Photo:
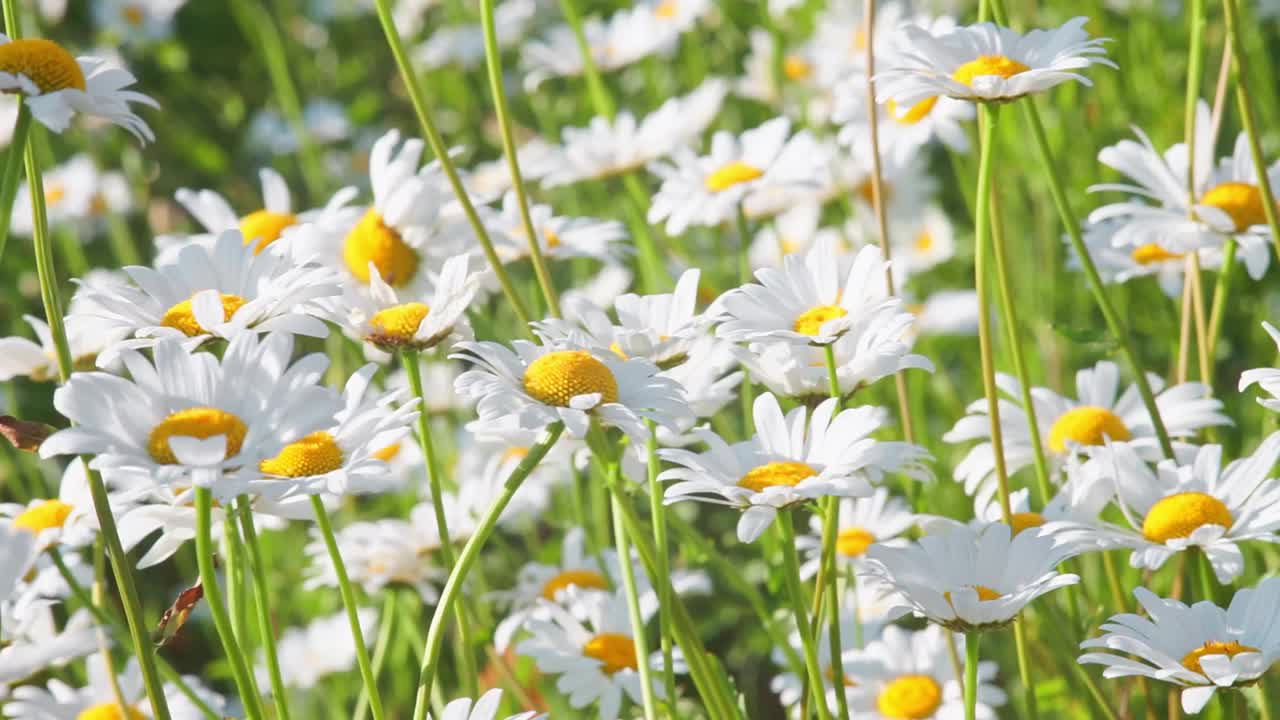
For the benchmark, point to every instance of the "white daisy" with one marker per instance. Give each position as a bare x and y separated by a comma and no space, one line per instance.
1266,378
1069,426
487,459
67,520
57,86
1195,503
559,236
486,708
19,551
77,195
225,291
188,418
863,522
325,121
987,63
324,647
629,35
463,45
900,130
594,657
605,148
791,688
382,319
33,641
59,701
791,232
967,579
1120,264
909,674
86,338
947,312
707,190
710,376
790,460
171,512
137,20
542,384
1201,648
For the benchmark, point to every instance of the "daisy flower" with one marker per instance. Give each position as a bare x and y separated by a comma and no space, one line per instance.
76,194
707,190
1201,648
988,63
137,20
909,674
1197,503
605,148
791,687
947,312
658,327
628,36
489,458
348,457
325,120
1228,201
59,701
32,640
543,384
790,460
791,232
805,302
1120,264
57,86
972,579
223,291
798,94
1071,426
863,522
591,650
463,45
486,708
189,418
86,338
559,236
901,130
324,647
67,520
19,551
380,318
171,512
710,375
1266,378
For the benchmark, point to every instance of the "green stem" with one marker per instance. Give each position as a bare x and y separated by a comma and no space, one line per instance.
1208,584
233,572
262,607
213,597
1221,291
662,582
418,96
827,570
106,619
1114,324
971,672
493,60
1195,69
123,248
795,592
12,171
744,246
351,606
633,601
981,215
1024,667
600,97
386,630
410,359
470,552
1248,117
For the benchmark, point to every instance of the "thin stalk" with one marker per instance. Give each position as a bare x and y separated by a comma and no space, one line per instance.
233,571
1249,119
106,619
830,533
386,630
1115,325
1184,326
1024,667
663,580
1197,311
980,233
1195,69
418,96
493,61
12,170
633,603
97,593
462,651
213,598
262,607
1009,310
351,606
744,245
596,90
470,552
795,592
971,673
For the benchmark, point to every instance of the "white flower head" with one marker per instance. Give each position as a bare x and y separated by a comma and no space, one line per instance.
862,522
558,236
1266,378
486,708
324,647
389,321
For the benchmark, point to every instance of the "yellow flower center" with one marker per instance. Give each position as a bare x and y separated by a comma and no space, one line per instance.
667,9
1025,520
54,192
1153,253
265,227
924,241
553,240
910,697
987,65
853,542
388,453
399,323
984,594
133,15
732,174
182,317
866,191
558,377
1086,425
914,114
43,62
197,422
616,651
796,67
372,241
586,579
811,321
1242,201
111,711
315,454
1191,660
1177,516
46,515
776,474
